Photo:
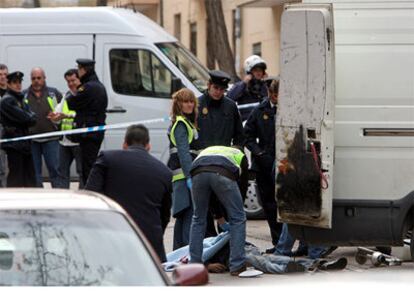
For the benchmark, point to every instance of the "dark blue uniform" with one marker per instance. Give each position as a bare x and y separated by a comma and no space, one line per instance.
90,104
260,140
16,119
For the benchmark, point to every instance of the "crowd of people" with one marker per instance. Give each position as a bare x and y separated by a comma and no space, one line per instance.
205,181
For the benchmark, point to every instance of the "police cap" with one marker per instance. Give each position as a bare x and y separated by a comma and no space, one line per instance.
85,62
17,75
219,78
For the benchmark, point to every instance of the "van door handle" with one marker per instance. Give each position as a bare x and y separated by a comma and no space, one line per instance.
116,110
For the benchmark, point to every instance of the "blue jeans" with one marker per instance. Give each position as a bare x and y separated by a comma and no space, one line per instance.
228,192
66,156
50,152
286,242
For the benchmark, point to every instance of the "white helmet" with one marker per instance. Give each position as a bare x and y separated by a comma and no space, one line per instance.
253,62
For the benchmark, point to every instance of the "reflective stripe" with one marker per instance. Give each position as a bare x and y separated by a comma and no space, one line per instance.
175,150
178,174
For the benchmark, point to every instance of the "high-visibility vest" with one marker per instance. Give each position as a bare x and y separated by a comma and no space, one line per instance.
174,162
67,123
235,156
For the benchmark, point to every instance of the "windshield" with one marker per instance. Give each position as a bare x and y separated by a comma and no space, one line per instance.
187,63
67,248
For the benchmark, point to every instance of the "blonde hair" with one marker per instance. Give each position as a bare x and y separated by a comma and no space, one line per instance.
178,98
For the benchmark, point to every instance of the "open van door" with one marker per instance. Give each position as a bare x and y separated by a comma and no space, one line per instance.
305,116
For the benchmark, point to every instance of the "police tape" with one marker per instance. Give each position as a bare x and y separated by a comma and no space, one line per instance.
100,128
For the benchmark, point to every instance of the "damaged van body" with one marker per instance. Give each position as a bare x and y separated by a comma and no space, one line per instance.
345,125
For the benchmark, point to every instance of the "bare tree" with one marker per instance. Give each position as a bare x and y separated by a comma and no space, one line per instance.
101,2
218,45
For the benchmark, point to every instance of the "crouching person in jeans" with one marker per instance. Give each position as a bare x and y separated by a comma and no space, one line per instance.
218,169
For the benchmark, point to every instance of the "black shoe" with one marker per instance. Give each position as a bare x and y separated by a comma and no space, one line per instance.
328,251
270,250
385,250
300,252
337,264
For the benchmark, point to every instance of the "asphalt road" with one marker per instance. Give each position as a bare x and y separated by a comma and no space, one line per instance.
258,234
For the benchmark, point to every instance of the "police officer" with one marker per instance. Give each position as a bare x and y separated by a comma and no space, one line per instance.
90,103
16,118
219,169
219,124
260,140
252,88
219,119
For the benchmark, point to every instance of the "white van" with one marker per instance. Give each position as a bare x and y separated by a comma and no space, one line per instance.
135,59
347,93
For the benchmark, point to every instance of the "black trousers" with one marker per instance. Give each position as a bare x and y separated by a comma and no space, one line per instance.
21,169
89,152
267,195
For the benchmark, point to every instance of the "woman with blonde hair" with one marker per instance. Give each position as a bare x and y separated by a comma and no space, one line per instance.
183,138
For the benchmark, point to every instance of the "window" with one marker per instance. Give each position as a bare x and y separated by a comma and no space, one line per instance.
139,73
257,49
177,26
193,38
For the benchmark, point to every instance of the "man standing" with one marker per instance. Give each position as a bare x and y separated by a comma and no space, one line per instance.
260,140
140,183
42,101
252,88
217,170
90,103
3,160
68,150
16,118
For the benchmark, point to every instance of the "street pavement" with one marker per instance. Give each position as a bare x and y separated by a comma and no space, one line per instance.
258,234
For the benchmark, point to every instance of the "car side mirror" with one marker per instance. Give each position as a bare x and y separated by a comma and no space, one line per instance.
176,84
190,275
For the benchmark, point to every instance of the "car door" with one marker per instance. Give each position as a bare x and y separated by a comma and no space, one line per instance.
305,116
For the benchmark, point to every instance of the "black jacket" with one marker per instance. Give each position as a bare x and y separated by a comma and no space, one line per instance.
90,102
16,118
219,122
260,135
141,184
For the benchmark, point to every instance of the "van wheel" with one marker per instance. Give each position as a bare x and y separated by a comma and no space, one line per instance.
252,204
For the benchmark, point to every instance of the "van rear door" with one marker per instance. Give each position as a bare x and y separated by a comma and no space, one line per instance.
305,116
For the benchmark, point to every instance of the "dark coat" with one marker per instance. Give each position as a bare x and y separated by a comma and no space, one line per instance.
219,122
16,118
260,135
243,93
141,184
90,102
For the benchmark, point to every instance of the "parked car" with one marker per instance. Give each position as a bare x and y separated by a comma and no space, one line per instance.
68,238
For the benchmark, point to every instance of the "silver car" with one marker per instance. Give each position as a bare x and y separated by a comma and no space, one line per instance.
67,238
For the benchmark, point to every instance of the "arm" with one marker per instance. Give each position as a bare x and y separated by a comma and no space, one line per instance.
82,98
238,136
250,131
244,177
166,207
236,90
96,179
22,116
183,147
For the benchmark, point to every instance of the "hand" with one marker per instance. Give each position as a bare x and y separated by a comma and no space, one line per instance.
247,78
53,116
189,183
225,226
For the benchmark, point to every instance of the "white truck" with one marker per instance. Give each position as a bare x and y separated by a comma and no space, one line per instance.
345,124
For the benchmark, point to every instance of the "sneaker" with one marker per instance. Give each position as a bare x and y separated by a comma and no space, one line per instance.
216,268
337,264
270,250
238,271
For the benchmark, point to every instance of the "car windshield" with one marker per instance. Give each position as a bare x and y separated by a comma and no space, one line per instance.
72,248
187,63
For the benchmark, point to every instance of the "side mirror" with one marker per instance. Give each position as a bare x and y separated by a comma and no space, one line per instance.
190,275
176,84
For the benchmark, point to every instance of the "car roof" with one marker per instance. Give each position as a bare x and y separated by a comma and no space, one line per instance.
80,20
33,199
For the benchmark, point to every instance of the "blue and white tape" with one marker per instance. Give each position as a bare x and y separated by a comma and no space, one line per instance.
101,128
